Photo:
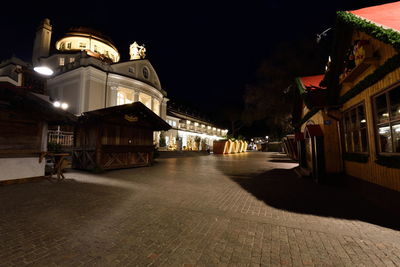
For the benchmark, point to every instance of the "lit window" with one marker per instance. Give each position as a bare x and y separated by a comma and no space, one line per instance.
62,61
82,45
174,123
71,59
355,130
387,114
120,98
69,45
156,106
196,124
95,49
145,99
62,46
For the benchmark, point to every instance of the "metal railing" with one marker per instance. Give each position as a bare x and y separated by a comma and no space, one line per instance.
60,137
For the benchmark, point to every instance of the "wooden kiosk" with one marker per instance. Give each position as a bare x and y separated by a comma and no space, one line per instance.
116,137
24,120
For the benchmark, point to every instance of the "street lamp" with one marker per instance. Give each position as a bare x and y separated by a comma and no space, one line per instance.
44,70
62,105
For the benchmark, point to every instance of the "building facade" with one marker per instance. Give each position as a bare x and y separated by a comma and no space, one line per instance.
190,132
88,74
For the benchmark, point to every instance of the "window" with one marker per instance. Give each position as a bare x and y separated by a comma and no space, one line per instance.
120,98
156,106
355,130
62,46
69,45
82,45
123,99
96,49
387,119
71,59
61,61
131,69
145,99
146,72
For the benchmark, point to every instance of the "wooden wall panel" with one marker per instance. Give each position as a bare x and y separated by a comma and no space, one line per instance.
370,171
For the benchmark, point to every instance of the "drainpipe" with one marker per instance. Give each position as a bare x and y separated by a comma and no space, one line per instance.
105,91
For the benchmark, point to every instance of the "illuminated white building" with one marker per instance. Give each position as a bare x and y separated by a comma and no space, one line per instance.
190,132
88,74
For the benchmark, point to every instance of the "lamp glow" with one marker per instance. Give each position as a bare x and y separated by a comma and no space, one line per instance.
64,106
57,104
43,70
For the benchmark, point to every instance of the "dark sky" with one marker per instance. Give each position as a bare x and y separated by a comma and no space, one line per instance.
204,51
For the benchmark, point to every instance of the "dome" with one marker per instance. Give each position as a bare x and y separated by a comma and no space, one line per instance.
87,39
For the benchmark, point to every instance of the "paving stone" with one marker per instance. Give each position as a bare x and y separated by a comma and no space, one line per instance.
217,210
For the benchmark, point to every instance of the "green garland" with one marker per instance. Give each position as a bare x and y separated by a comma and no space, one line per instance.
299,85
387,36
303,93
306,96
390,65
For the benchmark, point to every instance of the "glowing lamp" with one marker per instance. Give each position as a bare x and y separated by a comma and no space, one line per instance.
57,104
64,106
43,70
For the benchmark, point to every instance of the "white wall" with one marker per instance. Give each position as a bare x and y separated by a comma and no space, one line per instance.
17,168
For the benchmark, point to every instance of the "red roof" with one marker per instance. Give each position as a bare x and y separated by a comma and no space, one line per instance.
312,81
387,15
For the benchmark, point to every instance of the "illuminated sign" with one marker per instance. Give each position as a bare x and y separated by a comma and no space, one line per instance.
131,118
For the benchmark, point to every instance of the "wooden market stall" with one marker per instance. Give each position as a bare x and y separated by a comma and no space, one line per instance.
219,146
116,137
229,147
24,120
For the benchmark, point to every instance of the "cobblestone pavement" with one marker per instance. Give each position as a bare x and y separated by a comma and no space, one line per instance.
235,210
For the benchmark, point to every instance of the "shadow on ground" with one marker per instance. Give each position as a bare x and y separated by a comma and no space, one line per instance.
59,204
283,189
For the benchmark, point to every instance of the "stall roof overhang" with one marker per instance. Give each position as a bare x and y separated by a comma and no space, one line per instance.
386,15
313,95
19,99
135,114
310,83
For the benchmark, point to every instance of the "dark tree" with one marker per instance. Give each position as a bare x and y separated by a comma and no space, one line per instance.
269,98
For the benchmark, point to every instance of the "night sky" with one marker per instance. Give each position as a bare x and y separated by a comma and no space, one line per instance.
204,51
